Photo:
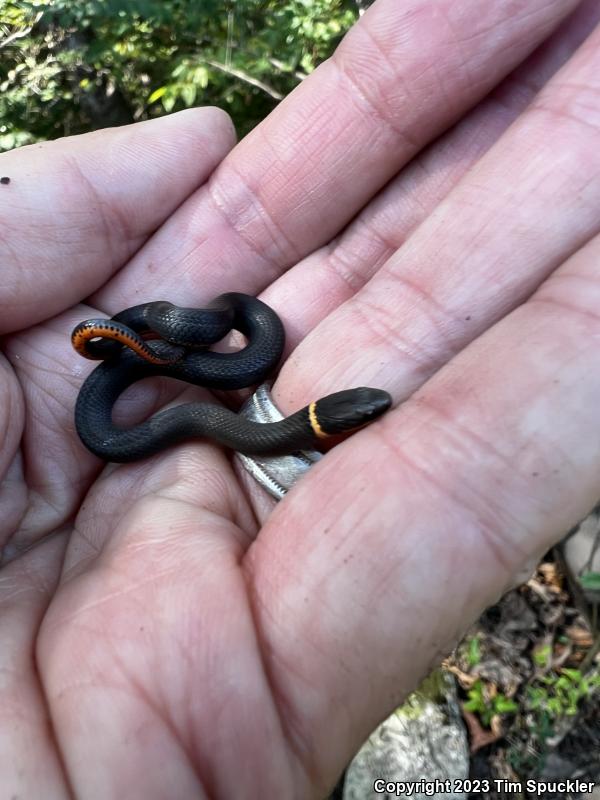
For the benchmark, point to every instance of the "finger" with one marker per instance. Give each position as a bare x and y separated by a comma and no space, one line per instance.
29,763
403,74
76,209
529,203
398,539
149,613
322,281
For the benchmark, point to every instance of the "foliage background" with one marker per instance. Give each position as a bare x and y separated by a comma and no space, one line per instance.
69,66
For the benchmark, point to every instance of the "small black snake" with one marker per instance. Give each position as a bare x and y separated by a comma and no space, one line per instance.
179,350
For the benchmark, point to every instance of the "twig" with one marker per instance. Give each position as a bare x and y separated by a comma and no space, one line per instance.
15,35
243,76
20,34
282,68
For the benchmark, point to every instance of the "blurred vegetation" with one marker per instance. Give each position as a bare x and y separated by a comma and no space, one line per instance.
70,66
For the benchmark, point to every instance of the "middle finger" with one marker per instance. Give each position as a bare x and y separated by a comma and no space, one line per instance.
528,204
327,277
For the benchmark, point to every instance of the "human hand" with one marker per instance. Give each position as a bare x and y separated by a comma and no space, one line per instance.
165,633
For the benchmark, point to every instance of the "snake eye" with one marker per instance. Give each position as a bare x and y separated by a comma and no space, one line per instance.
350,409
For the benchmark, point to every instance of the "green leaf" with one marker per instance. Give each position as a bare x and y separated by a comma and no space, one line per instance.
554,705
505,704
157,94
541,656
188,94
474,704
590,581
169,101
180,70
200,77
574,674
474,655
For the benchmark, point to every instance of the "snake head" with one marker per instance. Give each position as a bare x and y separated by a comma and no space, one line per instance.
350,409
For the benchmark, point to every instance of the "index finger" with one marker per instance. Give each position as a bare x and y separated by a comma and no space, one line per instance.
76,209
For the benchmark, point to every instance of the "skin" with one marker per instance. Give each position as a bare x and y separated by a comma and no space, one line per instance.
165,631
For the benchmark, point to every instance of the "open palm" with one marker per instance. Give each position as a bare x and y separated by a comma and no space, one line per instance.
167,633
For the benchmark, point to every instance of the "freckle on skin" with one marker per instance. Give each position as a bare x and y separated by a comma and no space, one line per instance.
5,180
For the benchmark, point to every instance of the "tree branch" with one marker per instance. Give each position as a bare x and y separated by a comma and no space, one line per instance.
20,34
282,68
243,76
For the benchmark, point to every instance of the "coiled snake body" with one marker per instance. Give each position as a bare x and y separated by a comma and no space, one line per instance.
159,338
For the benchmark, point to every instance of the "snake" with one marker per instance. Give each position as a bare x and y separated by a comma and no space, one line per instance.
159,338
